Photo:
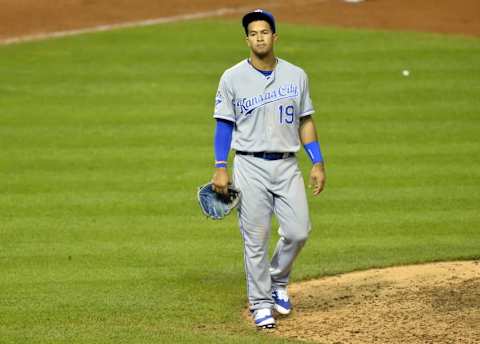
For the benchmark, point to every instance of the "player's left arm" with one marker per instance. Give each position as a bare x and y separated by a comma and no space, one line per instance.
309,139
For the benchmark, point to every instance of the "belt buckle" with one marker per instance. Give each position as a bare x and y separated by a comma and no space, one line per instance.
285,155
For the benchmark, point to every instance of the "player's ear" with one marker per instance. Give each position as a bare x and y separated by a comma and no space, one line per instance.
275,37
247,41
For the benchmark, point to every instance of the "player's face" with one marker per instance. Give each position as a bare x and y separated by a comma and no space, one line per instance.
260,38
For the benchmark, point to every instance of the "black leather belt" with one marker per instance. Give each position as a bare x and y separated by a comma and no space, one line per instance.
268,155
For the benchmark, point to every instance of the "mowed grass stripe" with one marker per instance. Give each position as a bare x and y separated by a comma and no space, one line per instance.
105,137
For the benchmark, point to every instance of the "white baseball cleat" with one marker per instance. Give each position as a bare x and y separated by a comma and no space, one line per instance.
263,318
282,303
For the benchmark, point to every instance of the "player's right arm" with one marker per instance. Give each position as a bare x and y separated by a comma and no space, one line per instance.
225,120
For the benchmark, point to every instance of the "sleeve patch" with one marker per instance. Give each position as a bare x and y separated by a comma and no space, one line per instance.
218,99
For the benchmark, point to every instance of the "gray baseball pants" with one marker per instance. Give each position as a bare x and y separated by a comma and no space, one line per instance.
270,187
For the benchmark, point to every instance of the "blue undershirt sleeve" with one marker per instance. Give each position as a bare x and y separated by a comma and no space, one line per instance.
222,141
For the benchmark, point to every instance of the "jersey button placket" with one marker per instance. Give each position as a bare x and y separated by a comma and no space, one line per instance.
267,109
271,109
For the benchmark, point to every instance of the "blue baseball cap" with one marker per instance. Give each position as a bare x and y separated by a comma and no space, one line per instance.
258,14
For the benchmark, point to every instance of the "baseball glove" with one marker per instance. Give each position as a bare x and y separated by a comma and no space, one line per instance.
215,205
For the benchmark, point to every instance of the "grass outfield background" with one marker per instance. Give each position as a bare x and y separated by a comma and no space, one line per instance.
105,137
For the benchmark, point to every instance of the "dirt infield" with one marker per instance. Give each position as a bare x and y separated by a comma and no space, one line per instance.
432,303
28,17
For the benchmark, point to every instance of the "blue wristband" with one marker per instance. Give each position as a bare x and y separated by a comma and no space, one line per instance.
314,152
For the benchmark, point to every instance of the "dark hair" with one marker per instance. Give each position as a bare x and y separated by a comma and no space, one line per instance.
258,15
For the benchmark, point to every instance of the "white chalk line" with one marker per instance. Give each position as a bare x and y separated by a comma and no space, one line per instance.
148,22
108,27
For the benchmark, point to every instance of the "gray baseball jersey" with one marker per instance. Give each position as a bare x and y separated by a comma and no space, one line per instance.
266,111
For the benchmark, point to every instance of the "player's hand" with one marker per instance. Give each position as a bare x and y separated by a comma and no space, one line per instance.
220,180
317,178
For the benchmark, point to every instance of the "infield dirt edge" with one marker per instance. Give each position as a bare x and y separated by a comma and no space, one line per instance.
424,303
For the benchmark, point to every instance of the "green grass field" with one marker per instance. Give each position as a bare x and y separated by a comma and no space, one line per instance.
105,137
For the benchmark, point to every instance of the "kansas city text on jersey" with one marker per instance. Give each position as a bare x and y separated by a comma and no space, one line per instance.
247,105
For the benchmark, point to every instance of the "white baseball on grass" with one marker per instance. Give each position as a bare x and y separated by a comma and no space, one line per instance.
405,72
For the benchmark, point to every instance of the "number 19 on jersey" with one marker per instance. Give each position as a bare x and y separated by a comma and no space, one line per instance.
287,114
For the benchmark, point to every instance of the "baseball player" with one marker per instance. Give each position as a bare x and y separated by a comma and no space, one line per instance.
263,111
